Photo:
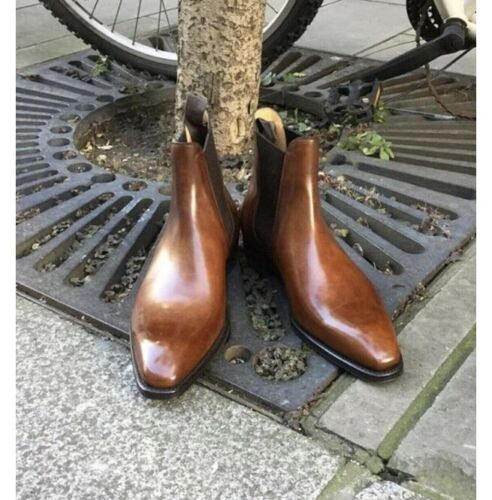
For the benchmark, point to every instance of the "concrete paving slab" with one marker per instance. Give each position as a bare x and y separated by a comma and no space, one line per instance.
387,490
83,431
442,447
349,26
396,2
36,25
21,4
48,50
365,413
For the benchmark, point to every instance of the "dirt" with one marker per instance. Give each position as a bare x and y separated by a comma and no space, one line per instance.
78,239
136,143
433,223
118,291
102,253
260,301
280,363
64,224
56,200
44,185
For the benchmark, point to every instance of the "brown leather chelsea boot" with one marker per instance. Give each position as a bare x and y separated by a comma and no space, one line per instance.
334,307
179,318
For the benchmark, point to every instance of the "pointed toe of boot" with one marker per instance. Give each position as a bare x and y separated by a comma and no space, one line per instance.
156,366
370,352
374,354
163,370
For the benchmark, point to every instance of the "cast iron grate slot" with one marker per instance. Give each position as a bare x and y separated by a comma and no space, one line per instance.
40,102
121,283
31,168
24,144
379,259
36,188
64,86
260,301
70,245
41,238
98,257
435,185
25,137
27,130
34,117
410,201
36,109
428,198
35,177
28,123
27,151
83,76
45,95
369,220
51,202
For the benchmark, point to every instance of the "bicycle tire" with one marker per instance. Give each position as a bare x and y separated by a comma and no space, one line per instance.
295,23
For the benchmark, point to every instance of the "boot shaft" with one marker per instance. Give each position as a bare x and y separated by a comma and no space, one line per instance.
284,183
197,176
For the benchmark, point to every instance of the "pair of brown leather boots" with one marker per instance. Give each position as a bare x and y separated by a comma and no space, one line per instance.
180,319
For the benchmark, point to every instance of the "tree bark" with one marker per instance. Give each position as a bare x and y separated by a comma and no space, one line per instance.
219,56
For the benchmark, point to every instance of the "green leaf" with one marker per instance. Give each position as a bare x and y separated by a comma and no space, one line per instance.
267,80
293,77
102,66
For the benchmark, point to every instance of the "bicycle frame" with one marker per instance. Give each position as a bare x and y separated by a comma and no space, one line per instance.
464,10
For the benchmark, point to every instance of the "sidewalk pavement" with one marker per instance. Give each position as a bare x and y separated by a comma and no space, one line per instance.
377,29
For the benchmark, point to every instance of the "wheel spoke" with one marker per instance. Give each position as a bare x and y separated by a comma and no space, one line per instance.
165,13
271,7
117,14
93,9
136,22
158,27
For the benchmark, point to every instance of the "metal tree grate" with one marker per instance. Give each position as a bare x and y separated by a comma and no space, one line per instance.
83,234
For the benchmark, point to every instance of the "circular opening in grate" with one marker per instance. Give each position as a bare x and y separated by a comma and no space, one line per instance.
64,129
78,168
154,85
65,155
59,141
105,98
101,178
134,185
85,107
280,363
237,355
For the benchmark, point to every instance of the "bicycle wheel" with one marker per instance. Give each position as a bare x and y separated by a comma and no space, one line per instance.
142,33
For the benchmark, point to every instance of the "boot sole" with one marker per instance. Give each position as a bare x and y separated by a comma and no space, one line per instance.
356,369
169,393
360,371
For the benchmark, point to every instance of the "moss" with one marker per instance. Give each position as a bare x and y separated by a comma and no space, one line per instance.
427,396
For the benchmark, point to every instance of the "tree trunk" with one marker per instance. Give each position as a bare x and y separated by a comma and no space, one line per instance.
219,56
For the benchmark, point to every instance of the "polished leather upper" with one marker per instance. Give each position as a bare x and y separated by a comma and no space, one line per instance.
180,308
329,296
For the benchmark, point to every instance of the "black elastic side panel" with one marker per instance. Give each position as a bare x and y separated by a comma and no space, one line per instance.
291,135
269,173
